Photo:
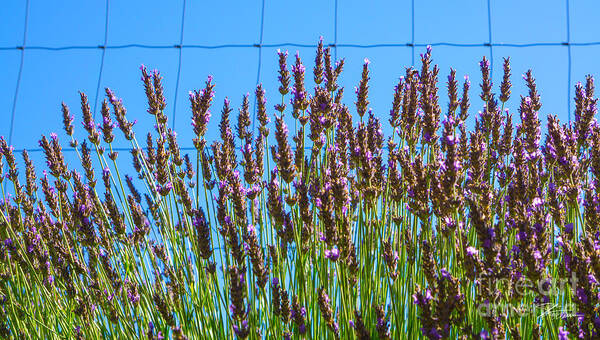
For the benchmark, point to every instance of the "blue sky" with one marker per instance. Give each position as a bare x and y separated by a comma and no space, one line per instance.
51,76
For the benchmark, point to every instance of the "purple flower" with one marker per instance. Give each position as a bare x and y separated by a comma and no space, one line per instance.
537,202
336,327
569,228
134,297
581,295
427,137
485,63
471,251
420,300
159,336
332,254
563,334
568,262
321,236
241,330
318,203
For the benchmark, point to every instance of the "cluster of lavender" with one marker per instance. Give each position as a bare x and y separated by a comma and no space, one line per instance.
340,232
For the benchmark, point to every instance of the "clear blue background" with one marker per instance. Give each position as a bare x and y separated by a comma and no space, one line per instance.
49,77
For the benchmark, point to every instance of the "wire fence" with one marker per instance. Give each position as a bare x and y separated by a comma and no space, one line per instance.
260,45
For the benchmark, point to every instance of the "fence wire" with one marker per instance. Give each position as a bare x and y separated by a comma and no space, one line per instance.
22,48
568,43
103,55
178,65
260,45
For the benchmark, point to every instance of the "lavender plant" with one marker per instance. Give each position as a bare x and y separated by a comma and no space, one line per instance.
332,231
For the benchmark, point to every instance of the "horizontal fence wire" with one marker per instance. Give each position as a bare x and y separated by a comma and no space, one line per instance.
291,44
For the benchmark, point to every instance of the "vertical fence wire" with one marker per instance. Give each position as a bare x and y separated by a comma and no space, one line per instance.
18,85
568,61
335,31
412,33
103,47
178,65
259,45
489,17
